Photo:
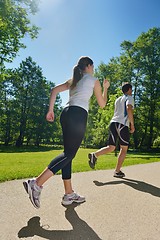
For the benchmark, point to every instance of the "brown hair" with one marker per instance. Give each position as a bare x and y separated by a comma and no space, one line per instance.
78,70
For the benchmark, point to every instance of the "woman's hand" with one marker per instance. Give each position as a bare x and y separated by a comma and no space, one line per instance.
50,116
106,84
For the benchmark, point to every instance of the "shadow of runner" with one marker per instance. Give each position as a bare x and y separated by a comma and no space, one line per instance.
136,184
81,230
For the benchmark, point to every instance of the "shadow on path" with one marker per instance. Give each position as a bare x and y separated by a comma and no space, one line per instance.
136,184
80,229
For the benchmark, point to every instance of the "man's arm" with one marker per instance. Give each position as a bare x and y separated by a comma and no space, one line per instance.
131,118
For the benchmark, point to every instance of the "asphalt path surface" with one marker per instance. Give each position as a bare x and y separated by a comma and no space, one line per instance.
115,209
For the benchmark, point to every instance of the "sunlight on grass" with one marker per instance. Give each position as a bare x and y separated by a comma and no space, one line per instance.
18,165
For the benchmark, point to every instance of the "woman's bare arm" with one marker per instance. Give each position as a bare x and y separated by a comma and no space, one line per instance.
59,88
101,96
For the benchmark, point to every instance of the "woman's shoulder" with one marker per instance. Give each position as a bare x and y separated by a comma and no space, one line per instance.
69,82
90,77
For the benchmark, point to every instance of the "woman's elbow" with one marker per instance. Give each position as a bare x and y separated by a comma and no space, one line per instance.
101,102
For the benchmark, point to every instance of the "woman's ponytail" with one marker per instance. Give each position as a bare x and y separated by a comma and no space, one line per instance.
79,69
77,75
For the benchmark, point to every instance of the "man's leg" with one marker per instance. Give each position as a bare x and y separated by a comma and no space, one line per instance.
94,155
123,133
104,150
110,148
120,160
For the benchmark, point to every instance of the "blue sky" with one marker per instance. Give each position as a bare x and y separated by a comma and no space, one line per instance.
95,28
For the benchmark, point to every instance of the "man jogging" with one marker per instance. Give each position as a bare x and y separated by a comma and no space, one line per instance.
120,123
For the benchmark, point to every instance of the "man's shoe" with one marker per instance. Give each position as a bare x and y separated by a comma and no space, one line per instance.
33,191
92,160
71,198
119,174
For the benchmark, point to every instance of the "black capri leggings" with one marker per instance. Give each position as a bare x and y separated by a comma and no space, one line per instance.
73,121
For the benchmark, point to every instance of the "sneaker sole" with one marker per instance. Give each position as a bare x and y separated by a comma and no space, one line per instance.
89,162
25,185
29,192
91,165
73,201
119,176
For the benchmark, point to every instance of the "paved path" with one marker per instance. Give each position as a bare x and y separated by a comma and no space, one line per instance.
115,209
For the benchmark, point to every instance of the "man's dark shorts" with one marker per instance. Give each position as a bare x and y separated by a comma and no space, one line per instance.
120,131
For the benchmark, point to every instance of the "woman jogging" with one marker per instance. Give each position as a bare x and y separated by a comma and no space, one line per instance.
73,121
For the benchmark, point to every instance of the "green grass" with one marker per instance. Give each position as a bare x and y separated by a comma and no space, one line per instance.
29,162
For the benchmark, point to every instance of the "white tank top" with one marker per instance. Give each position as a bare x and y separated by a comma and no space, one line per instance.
81,94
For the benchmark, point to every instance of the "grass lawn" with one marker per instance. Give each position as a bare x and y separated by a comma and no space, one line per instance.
29,162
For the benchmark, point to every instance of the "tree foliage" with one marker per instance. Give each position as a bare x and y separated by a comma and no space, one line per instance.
24,104
138,64
14,26
24,94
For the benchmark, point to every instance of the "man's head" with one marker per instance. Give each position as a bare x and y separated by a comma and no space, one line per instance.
127,88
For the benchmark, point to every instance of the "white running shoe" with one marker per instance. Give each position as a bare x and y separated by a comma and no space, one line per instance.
73,197
33,191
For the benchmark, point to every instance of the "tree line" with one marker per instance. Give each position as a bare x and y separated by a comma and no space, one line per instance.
24,91
23,105
138,64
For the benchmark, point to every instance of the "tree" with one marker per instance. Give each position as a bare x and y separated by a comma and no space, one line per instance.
14,26
7,112
148,47
144,56
24,104
138,63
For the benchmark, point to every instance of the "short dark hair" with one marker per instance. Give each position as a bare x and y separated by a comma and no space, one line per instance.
126,87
